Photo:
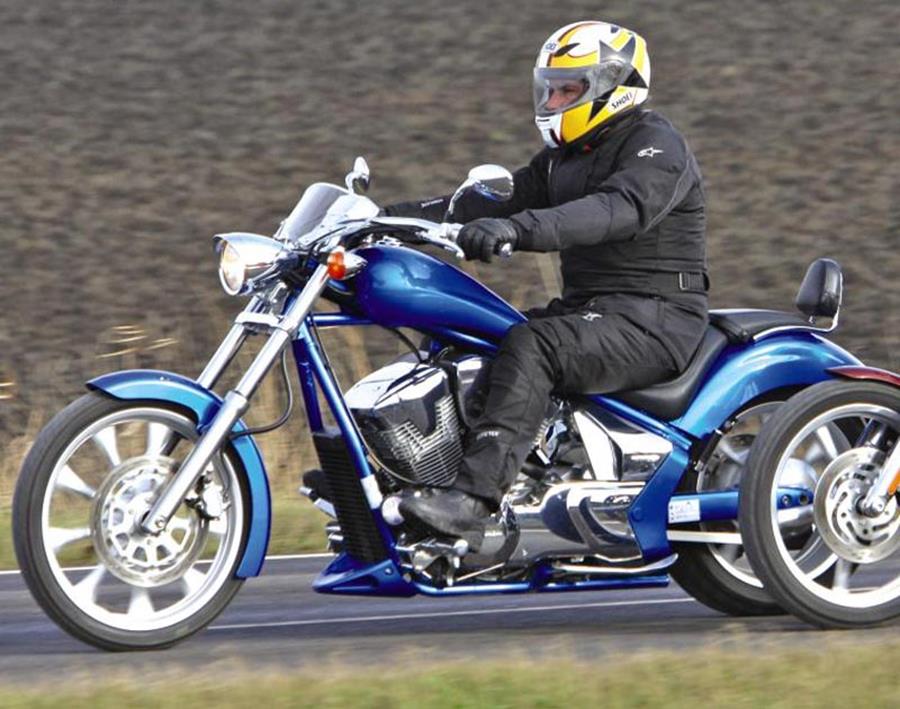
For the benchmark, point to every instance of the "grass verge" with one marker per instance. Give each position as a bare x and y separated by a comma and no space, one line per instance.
834,676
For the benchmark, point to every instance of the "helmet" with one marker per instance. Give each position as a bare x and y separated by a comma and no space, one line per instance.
585,74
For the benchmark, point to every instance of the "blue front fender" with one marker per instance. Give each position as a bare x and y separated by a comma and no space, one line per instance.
153,385
745,373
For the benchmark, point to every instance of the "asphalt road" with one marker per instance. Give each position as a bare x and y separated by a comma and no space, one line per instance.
278,623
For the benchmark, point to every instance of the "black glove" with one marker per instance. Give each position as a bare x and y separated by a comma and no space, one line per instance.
482,238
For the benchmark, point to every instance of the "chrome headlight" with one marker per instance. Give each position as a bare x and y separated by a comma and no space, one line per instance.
245,257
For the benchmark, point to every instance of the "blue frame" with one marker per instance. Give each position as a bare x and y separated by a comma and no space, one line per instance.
308,353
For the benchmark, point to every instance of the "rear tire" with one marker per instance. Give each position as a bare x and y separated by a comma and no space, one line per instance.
718,575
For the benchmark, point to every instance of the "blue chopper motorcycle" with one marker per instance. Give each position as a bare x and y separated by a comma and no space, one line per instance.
158,481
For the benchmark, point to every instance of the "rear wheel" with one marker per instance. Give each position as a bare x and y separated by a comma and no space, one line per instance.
90,476
720,575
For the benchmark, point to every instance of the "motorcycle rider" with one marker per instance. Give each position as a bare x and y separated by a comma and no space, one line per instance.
618,192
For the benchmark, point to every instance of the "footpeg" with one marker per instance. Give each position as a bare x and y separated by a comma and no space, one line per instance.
422,555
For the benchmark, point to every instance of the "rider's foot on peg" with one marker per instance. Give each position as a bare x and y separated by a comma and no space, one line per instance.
451,512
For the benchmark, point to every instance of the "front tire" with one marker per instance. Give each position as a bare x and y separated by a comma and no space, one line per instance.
91,474
854,580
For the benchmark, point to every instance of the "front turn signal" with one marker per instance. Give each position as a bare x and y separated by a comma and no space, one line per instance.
342,265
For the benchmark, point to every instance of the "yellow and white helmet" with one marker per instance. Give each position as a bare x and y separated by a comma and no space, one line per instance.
585,74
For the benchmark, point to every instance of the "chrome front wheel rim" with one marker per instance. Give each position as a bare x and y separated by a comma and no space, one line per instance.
105,479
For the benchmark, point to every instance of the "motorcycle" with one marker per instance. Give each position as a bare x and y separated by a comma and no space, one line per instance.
159,482
840,565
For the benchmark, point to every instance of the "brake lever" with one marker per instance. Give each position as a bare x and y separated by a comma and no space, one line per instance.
444,235
450,232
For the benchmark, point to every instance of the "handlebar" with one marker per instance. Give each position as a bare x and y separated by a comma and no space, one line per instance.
443,234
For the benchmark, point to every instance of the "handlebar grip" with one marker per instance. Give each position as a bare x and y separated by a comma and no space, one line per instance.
505,251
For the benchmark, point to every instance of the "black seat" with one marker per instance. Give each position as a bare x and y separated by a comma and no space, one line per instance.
668,400
741,326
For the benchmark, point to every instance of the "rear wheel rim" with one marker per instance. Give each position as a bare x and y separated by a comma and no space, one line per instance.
730,457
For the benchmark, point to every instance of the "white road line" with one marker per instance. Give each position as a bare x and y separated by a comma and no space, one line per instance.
283,557
446,614
274,557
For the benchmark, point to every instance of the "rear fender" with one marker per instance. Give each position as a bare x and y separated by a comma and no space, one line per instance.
153,385
869,374
748,372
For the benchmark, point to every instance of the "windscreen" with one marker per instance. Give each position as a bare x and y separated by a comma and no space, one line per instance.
310,210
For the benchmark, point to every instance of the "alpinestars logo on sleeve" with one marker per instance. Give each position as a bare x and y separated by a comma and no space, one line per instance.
648,152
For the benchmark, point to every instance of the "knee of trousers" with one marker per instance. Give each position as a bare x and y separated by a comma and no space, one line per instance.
524,344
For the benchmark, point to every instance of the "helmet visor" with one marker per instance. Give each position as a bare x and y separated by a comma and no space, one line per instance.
559,89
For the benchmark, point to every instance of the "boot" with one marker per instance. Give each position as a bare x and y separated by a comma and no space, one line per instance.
450,512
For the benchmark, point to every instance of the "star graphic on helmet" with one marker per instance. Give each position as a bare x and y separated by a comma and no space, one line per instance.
623,55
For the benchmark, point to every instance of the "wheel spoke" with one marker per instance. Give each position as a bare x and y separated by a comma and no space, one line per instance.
826,440
730,552
106,441
159,438
140,603
69,480
841,578
734,454
59,537
85,591
795,517
192,581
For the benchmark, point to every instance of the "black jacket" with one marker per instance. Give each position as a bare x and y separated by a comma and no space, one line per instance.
626,212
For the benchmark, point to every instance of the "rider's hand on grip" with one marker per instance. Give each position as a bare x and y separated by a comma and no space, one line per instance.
483,238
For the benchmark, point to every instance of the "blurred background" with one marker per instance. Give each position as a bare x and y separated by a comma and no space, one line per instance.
131,132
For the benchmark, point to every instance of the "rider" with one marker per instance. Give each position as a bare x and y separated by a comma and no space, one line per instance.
617,191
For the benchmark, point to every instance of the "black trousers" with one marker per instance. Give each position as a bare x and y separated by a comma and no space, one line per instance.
559,349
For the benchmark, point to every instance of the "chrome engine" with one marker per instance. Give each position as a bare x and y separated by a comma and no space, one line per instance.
407,415
570,502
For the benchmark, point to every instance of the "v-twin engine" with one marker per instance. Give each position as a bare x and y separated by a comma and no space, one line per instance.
409,415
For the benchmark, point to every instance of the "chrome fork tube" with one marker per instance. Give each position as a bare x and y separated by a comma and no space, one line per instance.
233,407
229,347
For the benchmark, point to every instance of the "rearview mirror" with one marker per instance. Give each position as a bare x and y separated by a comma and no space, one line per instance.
492,181
357,180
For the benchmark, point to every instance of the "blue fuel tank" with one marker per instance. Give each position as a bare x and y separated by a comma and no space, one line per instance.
402,287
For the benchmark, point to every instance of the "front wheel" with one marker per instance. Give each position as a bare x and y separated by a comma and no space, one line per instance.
91,475
853,578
